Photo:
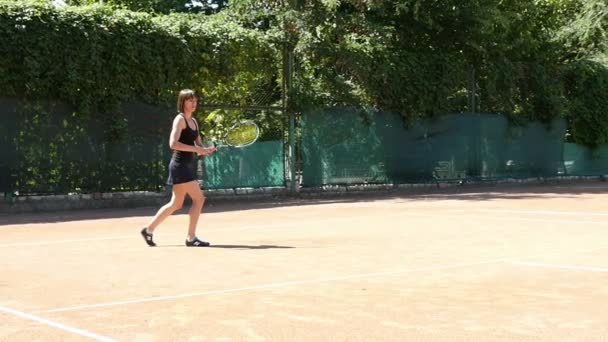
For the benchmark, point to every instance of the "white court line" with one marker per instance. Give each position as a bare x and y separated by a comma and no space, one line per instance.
303,282
270,285
300,223
580,251
56,325
44,243
548,212
509,218
563,267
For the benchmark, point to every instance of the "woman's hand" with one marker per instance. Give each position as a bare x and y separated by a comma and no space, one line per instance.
203,151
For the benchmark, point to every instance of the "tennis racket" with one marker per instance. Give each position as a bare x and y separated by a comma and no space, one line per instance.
242,134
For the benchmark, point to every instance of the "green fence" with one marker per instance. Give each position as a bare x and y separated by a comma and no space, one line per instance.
50,149
260,164
347,147
584,161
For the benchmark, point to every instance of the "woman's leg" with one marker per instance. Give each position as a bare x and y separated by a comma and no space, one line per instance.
176,202
198,200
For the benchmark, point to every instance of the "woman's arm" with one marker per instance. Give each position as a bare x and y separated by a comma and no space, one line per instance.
199,142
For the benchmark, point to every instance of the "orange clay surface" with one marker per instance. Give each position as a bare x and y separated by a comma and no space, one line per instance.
462,264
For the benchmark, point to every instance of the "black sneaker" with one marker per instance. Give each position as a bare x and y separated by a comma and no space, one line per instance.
197,243
147,237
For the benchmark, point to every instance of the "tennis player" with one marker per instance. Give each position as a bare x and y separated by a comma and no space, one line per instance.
185,141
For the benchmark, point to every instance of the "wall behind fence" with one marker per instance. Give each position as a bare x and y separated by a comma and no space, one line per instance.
55,150
585,161
259,165
47,148
342,146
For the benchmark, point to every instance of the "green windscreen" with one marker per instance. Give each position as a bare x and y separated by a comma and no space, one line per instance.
585,161
516,151
48,148
257,165
347,146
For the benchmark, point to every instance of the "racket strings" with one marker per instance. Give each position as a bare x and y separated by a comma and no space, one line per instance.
242,135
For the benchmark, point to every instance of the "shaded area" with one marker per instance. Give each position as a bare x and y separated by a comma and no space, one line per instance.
464,192
345,146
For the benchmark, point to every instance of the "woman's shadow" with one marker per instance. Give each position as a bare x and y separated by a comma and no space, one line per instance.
235,246
249,246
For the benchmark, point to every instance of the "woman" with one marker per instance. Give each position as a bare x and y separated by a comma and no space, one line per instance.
185,141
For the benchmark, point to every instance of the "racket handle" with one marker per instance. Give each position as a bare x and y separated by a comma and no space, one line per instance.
218,145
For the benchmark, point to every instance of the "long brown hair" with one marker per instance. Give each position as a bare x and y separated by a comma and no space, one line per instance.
184,94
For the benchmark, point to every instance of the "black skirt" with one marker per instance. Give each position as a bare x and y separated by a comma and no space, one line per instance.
181,172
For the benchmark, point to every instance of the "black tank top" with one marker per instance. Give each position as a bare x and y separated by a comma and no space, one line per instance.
187,136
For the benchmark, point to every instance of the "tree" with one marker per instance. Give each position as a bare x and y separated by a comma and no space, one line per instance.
587,35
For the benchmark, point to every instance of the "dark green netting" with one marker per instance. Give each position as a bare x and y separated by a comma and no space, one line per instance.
8,151
258,165
533,150
585,161
343,146
53,150
47,148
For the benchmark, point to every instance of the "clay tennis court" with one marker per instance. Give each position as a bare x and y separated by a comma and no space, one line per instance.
460,264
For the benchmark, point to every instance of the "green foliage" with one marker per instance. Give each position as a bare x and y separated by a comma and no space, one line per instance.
586,90
159,6
529,61
96,58
363,54
585,54
587,34
415,57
